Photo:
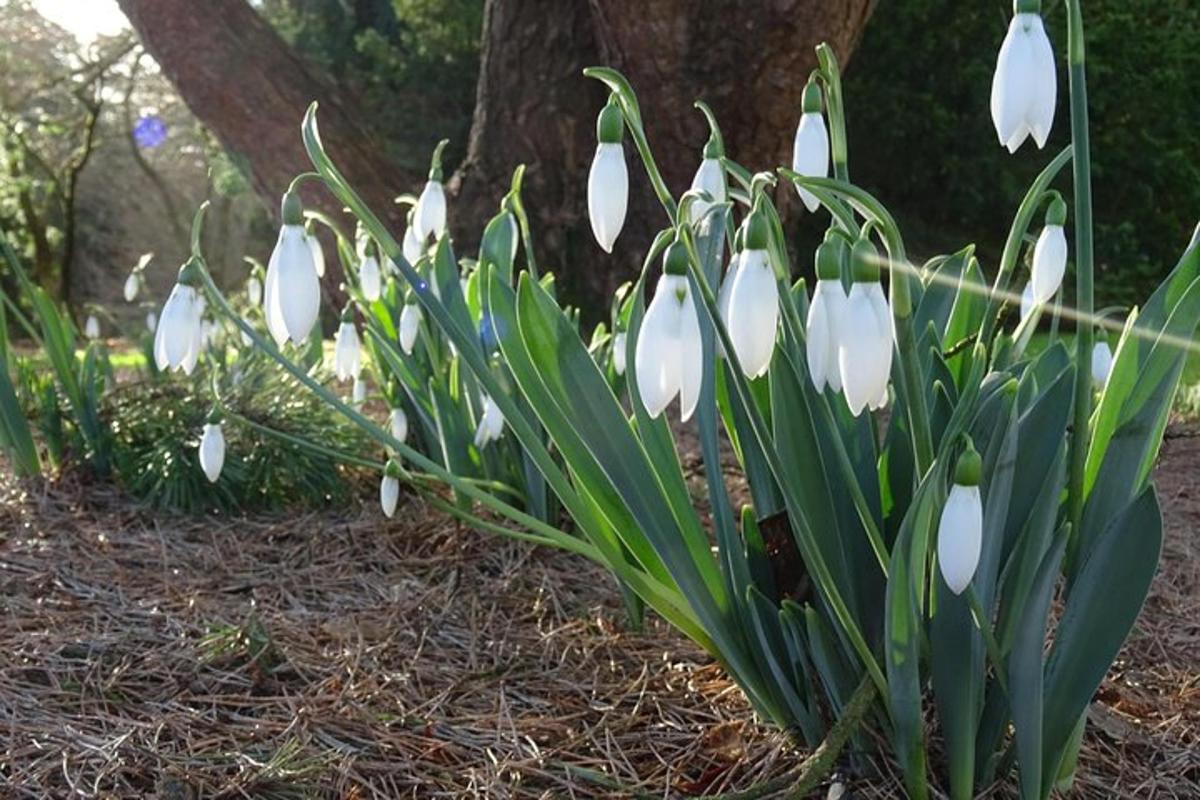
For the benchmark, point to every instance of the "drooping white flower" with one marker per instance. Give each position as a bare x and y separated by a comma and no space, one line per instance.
960,530
754,302
370,279
91,327
410,324
710,177
668,356
133,284
491,423
1050,254
618,352
212,451
412,245
1025,84
825,313
389,489
254,290
1102,363
608,179
431,211
399,423
1027,302
293,291
810,148
865,335
318,254
358,394
151,321
177,337
347,359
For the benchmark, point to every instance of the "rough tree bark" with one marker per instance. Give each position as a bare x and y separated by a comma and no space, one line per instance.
748,60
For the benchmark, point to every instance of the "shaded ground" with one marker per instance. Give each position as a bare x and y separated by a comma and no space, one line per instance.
339,655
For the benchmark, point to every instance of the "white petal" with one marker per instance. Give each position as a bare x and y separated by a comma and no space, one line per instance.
212,452
862,354
358,394
1049,262
271,308
1011,85
618,353
608,193
819,336
254,291
754,313
410,323
709,177
346,352
399,423
960,537
370,279
131,287
91,328
412,246
430,218
810,153
1027,302
151,322
727,287
318,255
691,358
296,289
1102,361
389,495
1044,86
657,352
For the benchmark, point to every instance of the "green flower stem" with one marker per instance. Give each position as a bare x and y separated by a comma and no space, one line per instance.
518,210
1083,265
983,623
831,74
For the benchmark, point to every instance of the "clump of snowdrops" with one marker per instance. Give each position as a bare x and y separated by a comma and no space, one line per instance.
921,488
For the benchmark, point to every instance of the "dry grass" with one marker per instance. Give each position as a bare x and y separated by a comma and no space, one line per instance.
337,655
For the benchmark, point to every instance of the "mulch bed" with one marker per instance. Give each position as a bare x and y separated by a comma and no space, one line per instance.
341,655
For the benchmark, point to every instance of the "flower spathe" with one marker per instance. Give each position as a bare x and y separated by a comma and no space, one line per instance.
825,312
810,148
1025,84
1050,254
960,530
177,338
292,294
668,357
865,335
491,423
347,358
754,302
212,451
608,179
410,325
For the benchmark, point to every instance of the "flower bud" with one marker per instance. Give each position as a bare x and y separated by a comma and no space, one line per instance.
608,180
212,449
960,530
1050,254
810,148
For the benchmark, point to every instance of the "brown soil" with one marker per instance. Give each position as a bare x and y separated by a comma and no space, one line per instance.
339,655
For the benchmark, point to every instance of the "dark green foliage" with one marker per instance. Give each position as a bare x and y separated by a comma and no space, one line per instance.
922,139
156,427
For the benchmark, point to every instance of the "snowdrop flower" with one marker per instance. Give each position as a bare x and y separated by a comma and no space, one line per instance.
430,216
151,321
358,394
1102,363
370,279
254,290
389,489
347,360
710,177
810,148
399,423
1027,303
491,423
754,302
412,246
960,531
865,334
177,337
410,324
1050,253
1025,85
608,180
212,448
668,357
133,285
91,327
318,253
293,291
618,352
825,313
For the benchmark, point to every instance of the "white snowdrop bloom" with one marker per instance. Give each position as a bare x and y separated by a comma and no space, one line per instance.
370,279
389,489
491,423
410,325
865,335
710,177
412,245
1102,363
177,336
754,302
293,291
133,285
668,356
318,253
347,358
810,148
825,313
1025,84
212,451
431,211
1027,302
960,530
618,352
399,423
91,327
151,321
358,394
1050,254
608,180
254,290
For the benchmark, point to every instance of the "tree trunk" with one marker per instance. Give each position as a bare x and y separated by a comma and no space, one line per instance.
243,82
